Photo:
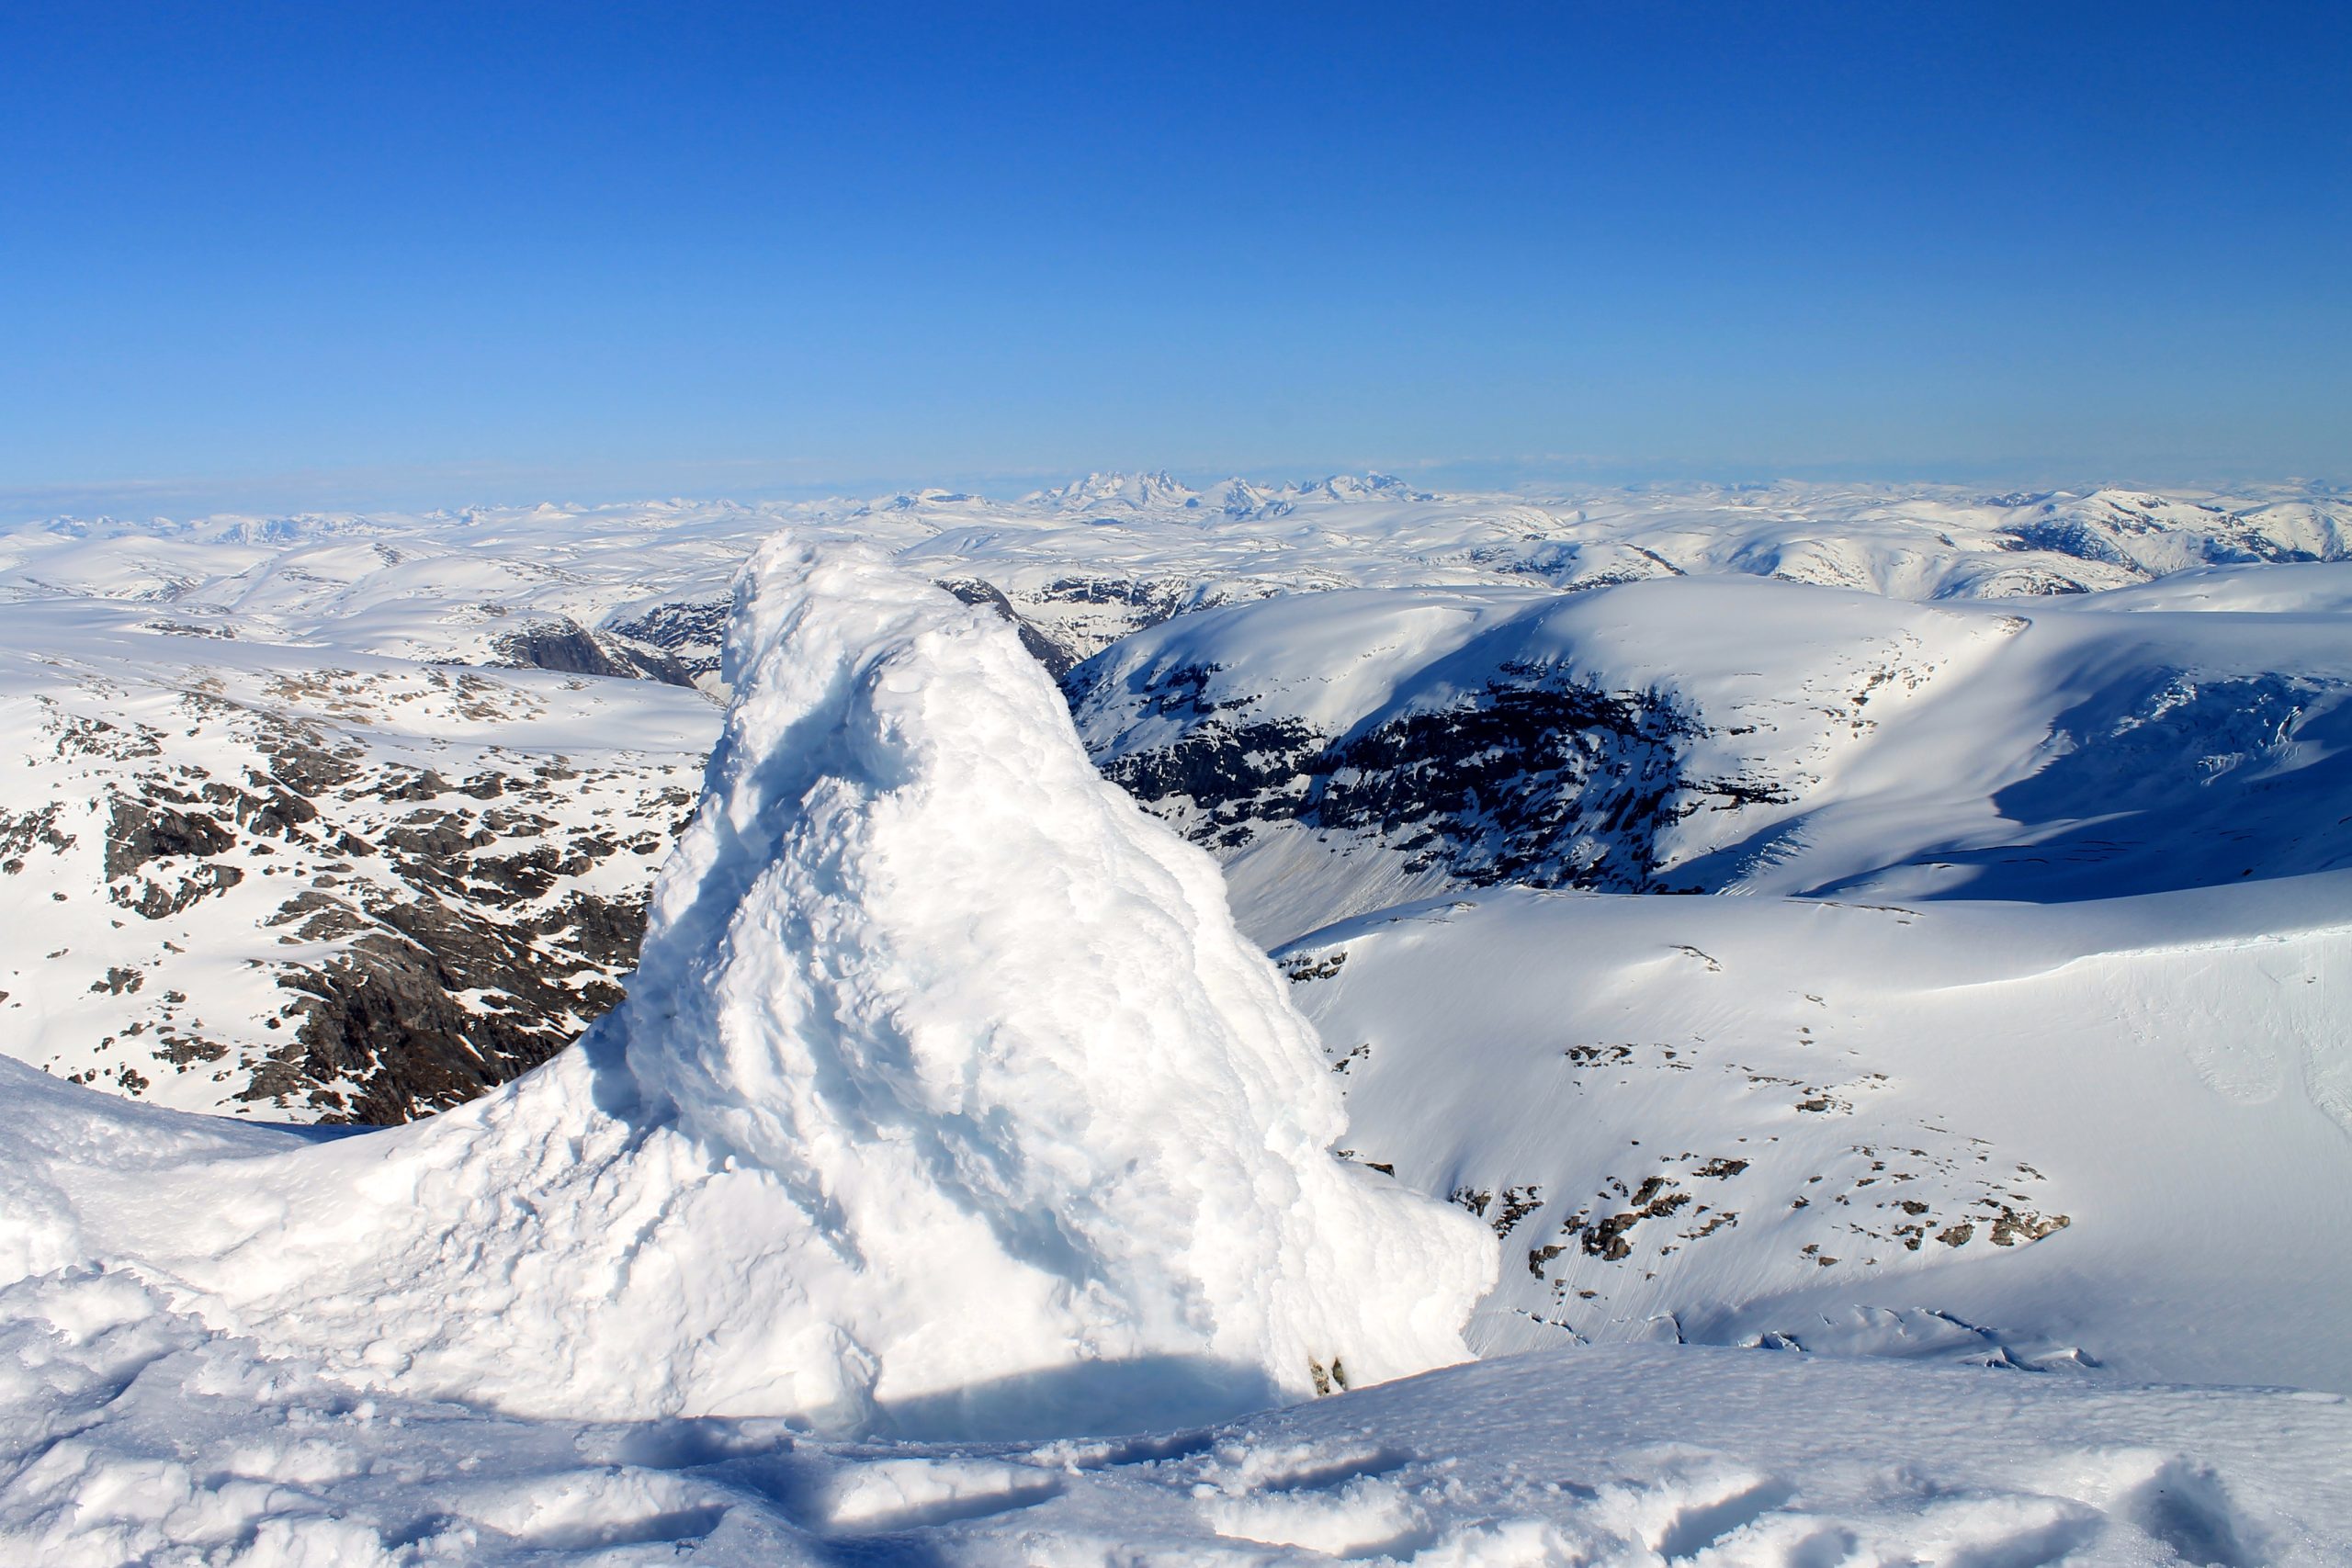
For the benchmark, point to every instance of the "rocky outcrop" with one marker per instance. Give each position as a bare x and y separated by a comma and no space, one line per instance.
296,920
570,649
689,633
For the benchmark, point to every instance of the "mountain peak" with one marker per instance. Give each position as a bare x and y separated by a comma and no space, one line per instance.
1155,490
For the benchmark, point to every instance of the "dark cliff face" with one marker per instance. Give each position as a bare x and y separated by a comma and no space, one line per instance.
689,633
1538,777
570,648
382,1033
1059,661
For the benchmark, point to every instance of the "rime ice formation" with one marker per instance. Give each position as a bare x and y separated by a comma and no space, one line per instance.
975,1009
948,1097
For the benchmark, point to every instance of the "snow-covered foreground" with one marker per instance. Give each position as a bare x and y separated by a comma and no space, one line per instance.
134,1435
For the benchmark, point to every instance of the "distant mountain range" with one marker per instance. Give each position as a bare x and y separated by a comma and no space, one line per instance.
350,816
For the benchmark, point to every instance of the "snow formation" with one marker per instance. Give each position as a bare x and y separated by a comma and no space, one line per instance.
948,1097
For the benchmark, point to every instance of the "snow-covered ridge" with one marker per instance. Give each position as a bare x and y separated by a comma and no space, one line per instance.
929,1016
1084,557
1352,750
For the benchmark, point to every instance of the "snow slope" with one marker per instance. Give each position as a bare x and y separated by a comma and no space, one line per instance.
1349,750
2113,1133
947,1097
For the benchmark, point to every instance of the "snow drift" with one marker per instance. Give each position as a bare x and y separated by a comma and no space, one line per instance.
948,1097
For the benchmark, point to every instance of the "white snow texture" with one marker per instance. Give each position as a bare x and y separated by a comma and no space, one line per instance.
948,1099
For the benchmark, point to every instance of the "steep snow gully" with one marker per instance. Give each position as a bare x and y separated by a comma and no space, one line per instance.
948,1097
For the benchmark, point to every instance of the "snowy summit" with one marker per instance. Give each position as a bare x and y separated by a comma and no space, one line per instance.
948,1097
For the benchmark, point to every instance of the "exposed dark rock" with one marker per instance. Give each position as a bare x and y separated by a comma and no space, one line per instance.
21,832
1540,778
567,646
137,833
1059,661
691,632
154,901
391,1019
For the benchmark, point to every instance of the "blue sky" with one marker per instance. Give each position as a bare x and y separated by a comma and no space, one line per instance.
330,254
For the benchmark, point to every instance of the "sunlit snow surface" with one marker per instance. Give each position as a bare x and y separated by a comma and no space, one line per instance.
134,1436
2123,1121
2111,1135
947,1098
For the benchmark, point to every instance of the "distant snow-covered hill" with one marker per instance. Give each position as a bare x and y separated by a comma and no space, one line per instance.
1349,750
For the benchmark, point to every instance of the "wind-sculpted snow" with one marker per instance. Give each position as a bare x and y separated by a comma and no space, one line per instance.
983,1017
129,1433
947,1097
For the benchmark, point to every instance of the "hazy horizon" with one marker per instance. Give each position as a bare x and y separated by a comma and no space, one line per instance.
183,501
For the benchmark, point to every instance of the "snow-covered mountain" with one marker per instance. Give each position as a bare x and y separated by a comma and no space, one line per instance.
1349,750
348,817
948,1097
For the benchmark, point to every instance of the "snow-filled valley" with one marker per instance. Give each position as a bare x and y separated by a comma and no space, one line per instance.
1837,996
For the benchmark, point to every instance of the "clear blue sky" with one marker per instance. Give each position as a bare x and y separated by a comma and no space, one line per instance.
278,255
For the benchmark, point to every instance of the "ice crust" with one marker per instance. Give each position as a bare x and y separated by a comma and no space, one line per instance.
948,1097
